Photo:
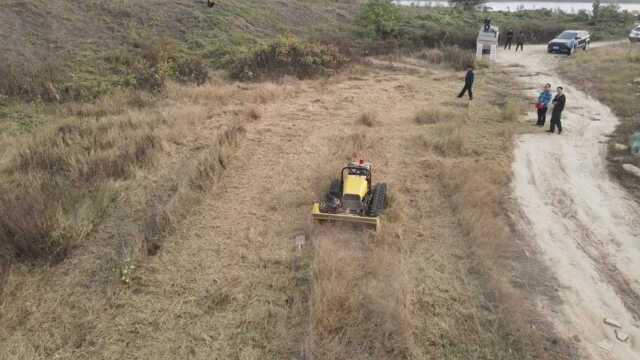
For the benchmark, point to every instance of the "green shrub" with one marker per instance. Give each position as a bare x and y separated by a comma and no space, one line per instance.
193,69
156,65
379,18
288,56
147,77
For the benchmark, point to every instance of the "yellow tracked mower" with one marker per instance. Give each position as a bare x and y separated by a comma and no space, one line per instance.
353,198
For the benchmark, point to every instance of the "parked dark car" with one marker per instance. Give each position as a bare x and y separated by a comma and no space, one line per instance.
568,41
634,35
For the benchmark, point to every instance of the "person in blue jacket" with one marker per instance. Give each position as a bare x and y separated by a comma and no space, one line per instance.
468,83
543,104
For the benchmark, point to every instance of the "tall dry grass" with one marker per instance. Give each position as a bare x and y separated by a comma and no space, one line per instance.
59,182
439,115
472,165
56,188
168,206
359,298
455,57
450,139
360,303
115,104
31,79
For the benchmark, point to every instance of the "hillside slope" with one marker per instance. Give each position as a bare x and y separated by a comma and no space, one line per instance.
90,44
46,29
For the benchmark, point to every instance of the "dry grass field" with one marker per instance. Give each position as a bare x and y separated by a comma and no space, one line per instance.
195,255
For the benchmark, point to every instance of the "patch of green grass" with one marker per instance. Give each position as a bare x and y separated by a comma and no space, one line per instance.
19,117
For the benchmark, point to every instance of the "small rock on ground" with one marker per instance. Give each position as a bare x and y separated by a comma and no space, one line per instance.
632,169
612,322
605,345
621,147
621,336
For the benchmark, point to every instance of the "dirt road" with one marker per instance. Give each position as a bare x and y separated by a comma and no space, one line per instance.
587,227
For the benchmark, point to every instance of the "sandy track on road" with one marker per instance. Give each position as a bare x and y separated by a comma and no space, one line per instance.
585,224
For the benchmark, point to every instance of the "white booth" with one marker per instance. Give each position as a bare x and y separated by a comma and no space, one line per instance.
487,42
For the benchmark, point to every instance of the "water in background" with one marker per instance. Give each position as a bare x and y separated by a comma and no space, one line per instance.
569,7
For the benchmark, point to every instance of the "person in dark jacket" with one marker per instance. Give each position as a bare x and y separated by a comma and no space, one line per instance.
487,25
468,83
509,39
543,104
520,41
558,106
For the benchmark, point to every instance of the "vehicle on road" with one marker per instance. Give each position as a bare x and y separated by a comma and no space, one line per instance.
634,35
569,41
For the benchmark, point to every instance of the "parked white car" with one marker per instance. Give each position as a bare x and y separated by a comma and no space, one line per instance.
634,35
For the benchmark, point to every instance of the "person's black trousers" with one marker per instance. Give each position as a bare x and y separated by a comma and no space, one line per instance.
520,45
507,43
542,116
555,121
467,87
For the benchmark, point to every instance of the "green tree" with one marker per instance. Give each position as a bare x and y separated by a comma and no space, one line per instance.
466,4
596,10
381,18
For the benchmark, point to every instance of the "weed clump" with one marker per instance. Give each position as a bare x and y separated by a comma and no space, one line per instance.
428,117
437,115
254,114
288,56
368,119
193,69
434,56
453,56
449,140
511,111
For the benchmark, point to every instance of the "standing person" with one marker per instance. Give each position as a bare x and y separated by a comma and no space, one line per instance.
487,25
520,41
556,113
573,45
543,104
509,39
468,83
